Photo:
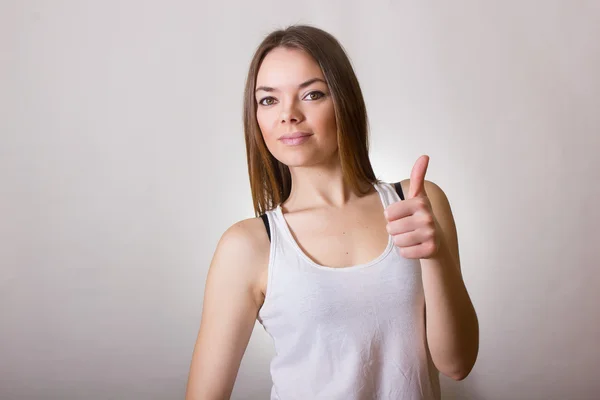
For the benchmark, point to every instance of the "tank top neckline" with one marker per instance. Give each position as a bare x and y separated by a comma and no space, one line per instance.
304,256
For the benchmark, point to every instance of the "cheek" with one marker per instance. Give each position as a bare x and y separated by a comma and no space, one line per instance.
268,128
265,123
327,122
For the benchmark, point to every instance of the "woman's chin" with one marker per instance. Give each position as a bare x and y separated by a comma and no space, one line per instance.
307,157
307,160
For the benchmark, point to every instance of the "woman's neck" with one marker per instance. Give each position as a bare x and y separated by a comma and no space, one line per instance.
321,186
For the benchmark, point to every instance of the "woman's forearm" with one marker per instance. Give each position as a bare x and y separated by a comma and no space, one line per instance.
451,321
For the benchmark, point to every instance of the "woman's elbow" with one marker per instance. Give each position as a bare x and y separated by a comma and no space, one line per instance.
459,370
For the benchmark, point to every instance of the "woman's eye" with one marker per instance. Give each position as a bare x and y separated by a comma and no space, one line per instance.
264,103
316,95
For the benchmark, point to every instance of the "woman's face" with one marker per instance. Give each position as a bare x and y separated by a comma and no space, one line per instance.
292,97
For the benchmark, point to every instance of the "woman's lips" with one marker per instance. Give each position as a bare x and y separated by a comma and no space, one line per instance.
295,141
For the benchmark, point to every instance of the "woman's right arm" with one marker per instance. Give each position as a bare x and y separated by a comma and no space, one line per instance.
232,298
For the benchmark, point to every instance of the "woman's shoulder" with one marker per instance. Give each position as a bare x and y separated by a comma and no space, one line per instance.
246,246
429,186
247,236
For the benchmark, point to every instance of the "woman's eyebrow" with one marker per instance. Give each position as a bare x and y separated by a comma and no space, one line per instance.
301,86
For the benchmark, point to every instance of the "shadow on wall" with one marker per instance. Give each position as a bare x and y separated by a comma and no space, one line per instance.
461,390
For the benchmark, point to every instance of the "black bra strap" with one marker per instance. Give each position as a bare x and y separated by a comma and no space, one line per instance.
266,222
398,188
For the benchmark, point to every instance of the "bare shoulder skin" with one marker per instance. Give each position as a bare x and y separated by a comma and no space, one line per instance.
233,295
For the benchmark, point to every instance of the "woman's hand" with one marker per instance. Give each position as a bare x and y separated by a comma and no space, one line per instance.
411,222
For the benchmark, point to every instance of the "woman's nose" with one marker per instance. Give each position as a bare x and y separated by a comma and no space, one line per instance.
288,118
290,113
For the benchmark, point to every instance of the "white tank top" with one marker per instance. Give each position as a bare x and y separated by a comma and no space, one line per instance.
351,333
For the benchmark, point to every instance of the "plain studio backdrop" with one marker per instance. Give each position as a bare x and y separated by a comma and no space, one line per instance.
122,161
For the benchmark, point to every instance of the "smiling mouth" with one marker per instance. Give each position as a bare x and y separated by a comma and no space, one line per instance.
295,140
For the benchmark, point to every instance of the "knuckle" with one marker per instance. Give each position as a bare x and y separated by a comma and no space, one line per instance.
432,247
428,219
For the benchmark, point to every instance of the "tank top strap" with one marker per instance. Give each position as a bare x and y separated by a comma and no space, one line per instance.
390,193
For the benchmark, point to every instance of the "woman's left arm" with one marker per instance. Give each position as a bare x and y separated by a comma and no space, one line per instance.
451,321
423,228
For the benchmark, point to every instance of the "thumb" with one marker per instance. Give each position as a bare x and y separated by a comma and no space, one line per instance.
417,177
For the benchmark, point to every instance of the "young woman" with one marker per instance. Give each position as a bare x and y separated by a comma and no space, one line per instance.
358,285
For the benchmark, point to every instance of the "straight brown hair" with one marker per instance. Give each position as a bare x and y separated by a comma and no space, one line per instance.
270,180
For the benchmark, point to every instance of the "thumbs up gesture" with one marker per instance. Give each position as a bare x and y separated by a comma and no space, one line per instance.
411,222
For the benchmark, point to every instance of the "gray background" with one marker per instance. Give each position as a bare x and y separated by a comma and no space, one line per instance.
122,162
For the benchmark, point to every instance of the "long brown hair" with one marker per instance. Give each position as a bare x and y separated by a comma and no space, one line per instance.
270,180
